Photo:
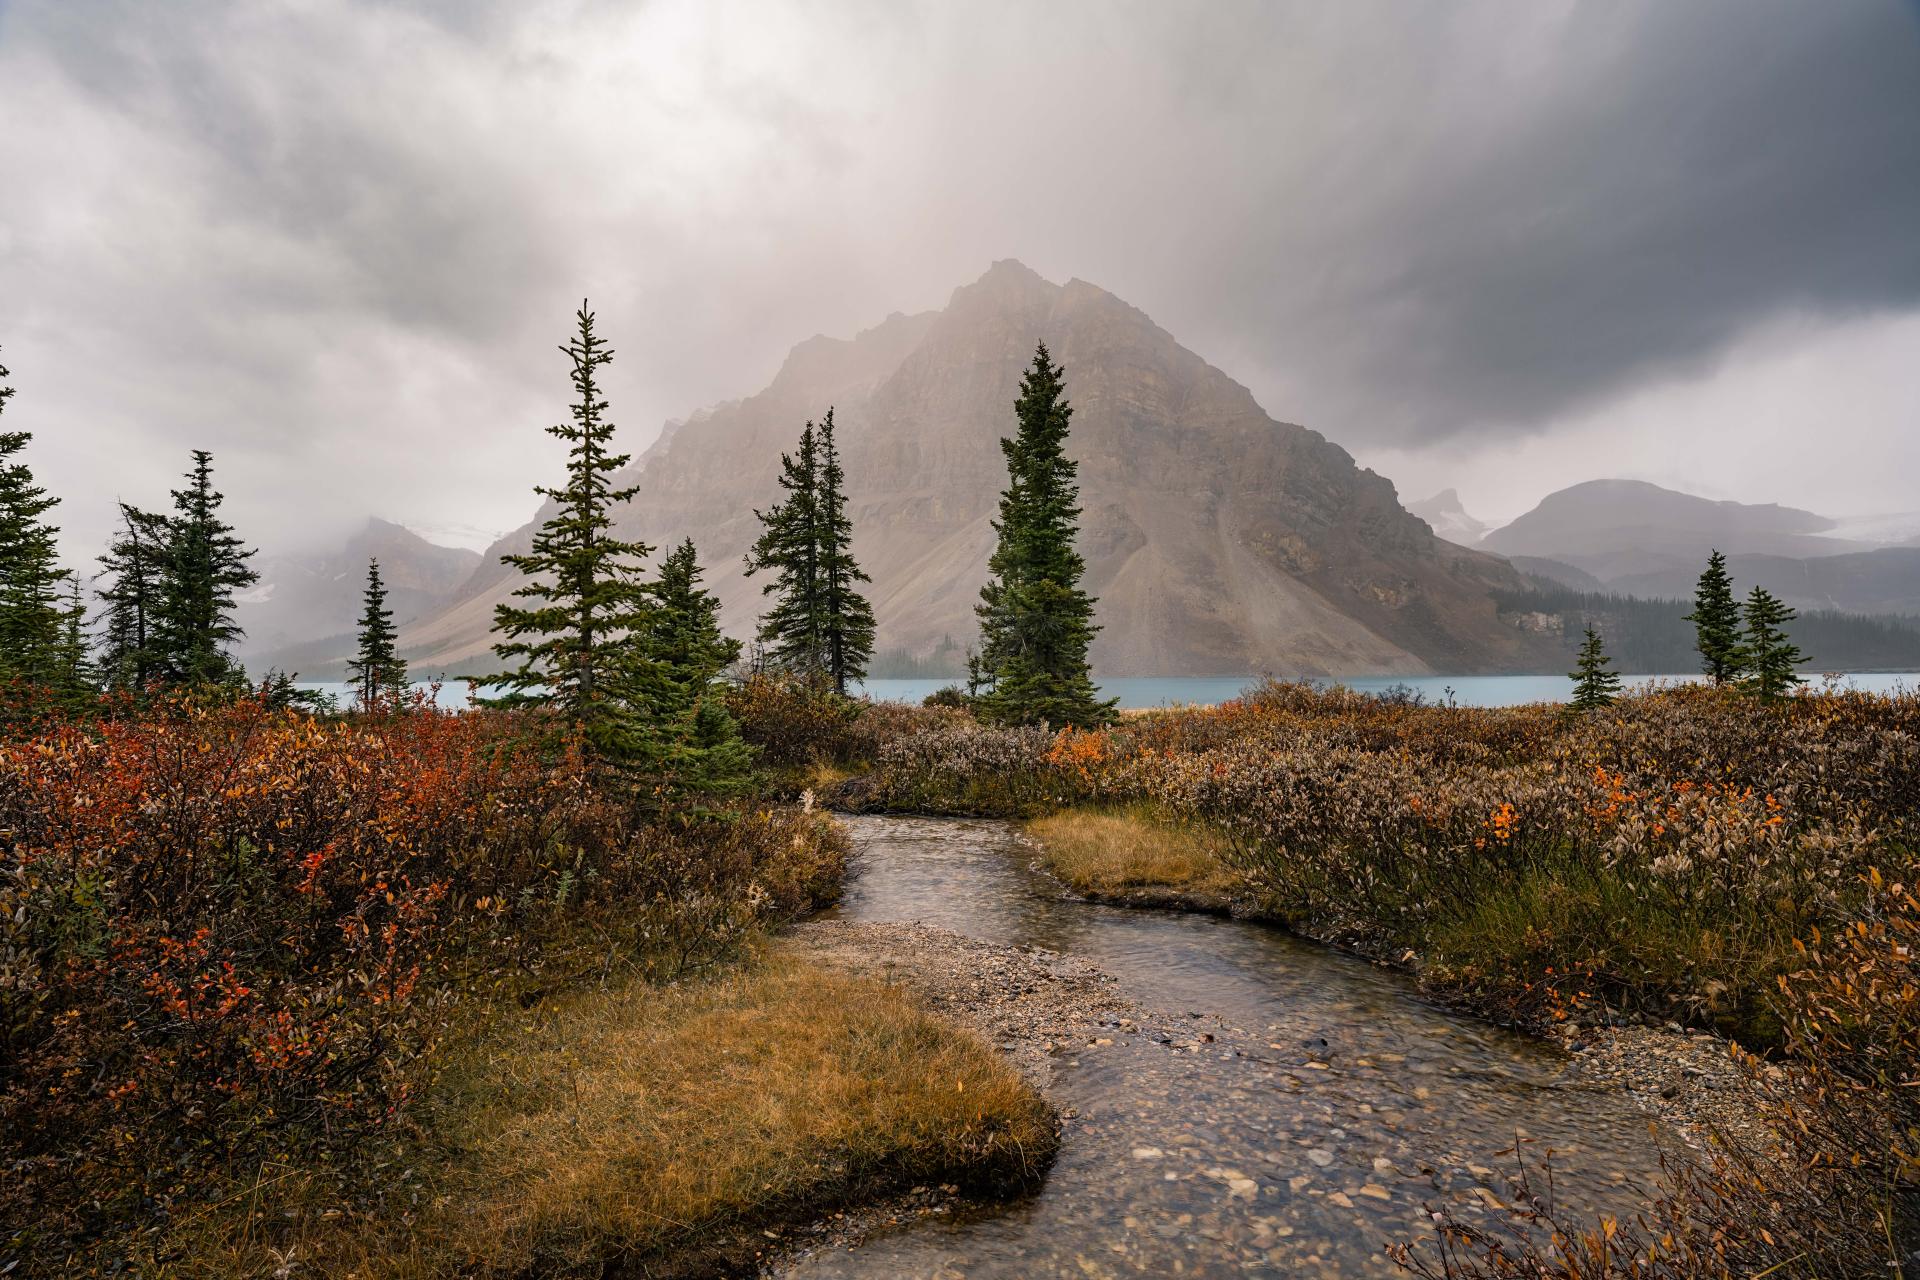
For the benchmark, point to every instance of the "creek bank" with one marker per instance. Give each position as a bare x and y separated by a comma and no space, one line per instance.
1258,1105
1690,1080
1028,1003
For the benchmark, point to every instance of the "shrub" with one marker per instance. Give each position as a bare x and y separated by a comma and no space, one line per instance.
798,725
228,933
962,767
1829,1190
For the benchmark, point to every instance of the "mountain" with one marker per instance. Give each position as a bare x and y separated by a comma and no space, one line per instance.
1893,529
1624,537
1882,581
1446,517
1614,528
301,615
1560,573
1218,540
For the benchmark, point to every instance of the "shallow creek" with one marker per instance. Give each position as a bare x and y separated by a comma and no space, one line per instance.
1328,1106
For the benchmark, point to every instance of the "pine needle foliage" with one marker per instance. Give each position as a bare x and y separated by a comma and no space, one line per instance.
133,566
684,635
1594,686
1770,654
204,567
583,592
847,625
32,621
793,631
75,678
378,674
1036,621
1716,623
701,748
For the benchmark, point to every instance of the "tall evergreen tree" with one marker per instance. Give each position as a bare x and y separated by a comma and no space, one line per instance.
1036,621
134,564
74,677
585,597
32,621
1593,684
1770,654
793,630
1716,623
847,625
379,675
204,566
703,750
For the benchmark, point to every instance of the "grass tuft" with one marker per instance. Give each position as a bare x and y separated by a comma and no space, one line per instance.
1115,851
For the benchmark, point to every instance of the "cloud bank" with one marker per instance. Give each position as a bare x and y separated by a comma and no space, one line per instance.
1494,245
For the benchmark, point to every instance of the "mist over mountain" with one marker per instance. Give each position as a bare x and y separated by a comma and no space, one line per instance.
1219,540
1626,537
1449,519
1611,526
301,615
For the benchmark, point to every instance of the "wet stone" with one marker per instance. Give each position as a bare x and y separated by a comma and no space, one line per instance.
1195,1157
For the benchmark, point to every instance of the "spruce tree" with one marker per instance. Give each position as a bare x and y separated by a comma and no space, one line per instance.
32,621
74,679
847,625
134,564
1770,654
379,676
584,593
1036,621
793,630
702,750
1593,685
684,634
204,566
1716,623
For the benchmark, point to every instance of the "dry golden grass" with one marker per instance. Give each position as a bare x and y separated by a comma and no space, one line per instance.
666,1127
1103,851
821,776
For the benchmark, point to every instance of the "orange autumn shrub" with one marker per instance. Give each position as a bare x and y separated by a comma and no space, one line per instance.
1686,854
1827,1187
1657,858
226,931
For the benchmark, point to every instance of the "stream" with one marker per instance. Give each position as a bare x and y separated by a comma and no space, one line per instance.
1330,1105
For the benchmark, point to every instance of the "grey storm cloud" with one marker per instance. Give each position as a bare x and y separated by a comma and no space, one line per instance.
337,241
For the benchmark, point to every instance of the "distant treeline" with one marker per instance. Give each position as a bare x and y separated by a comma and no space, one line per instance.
1653,637
948,659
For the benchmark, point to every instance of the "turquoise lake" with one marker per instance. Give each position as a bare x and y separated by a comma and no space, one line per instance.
1167,691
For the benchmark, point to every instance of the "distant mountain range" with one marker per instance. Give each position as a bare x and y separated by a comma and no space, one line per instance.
1611,527
301,615
1627,537
1219,540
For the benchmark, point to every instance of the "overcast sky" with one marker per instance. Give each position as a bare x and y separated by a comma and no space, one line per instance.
1501,247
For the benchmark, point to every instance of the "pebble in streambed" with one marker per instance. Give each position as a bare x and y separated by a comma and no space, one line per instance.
1266,1109
1207,1154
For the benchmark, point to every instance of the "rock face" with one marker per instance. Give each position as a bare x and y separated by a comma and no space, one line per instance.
1447,518
1218,540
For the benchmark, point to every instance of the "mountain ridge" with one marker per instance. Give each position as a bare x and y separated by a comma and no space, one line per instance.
1219,539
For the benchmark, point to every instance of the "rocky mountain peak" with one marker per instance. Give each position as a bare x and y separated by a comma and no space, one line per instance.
1219,540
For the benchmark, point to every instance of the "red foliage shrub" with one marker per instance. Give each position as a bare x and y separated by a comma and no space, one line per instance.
227,930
